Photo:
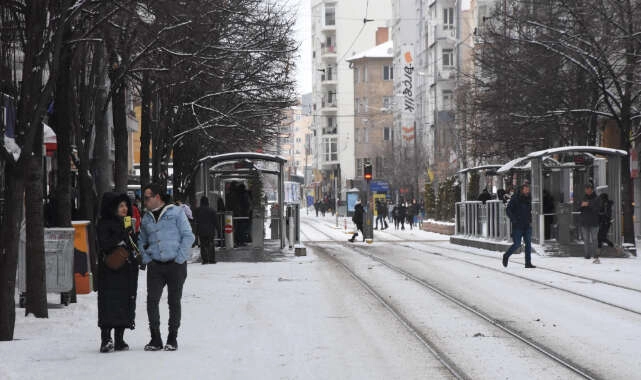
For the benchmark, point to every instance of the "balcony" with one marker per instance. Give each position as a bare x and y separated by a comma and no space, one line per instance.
330,129
329,105
328,52
328,78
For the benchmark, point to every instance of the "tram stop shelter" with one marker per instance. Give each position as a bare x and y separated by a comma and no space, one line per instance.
215,177
557,178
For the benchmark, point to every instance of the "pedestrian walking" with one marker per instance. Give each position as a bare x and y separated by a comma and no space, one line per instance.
165,240
390,212
380,215
519,210
117,272
589,208
206,223
402,215
412,211
605,220
396,215
357,218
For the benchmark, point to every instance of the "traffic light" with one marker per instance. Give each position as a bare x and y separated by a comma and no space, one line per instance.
367,170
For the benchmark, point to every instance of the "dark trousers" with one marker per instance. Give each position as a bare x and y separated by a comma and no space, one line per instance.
207,249
173,275
358,227
517,235
602,236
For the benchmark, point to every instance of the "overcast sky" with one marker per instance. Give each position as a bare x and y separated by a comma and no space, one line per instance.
303,36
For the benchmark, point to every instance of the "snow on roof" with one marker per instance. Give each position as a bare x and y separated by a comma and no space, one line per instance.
512,165
384,50
580,149
244,155
478,168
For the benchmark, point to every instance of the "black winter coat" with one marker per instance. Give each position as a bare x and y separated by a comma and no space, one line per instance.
519,210
206,221
116,289
590,213
358,215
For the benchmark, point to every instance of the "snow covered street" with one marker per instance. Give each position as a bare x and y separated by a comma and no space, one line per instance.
362,311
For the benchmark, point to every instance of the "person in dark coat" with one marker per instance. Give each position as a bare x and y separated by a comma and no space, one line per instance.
485,196
519,210
589,208
116,288
402,214
605,220
412,211
548,208
358,218
206,221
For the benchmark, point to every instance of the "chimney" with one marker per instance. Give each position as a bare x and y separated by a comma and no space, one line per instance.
382,35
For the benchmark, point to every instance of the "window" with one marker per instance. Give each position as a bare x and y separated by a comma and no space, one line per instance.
366,135
448,18
448,98
387,134
448,57
298,140
357,133
388,73
387,102
359,167
356,77
357,107
378,167
364,107
298,164
364,73
330,16
330,149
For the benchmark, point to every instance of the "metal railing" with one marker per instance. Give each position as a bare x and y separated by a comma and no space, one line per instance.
489,220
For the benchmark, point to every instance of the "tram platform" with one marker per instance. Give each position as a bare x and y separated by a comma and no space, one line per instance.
270,252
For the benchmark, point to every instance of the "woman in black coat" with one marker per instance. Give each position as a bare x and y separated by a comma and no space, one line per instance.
116,288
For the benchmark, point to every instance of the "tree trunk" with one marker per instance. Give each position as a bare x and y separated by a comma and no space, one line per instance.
63,121
9,254
34,215
121,143
145,129
101,163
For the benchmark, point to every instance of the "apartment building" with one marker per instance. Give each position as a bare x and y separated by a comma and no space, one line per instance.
373,101
340,28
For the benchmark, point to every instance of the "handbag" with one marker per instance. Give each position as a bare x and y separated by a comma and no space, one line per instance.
115,259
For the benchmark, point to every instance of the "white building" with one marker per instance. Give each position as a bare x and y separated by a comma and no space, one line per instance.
338,31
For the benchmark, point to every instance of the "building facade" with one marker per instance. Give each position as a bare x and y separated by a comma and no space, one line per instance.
339,29
373,97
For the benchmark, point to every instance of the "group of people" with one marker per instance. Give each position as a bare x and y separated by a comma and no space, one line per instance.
399,214
324,205
159,242
595,221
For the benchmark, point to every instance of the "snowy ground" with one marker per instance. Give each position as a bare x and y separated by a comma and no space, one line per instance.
307,318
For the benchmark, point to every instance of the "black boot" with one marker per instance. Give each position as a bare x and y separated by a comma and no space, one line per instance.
120,344
106,344
172,343
155,344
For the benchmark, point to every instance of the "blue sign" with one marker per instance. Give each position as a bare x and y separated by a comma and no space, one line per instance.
351,201
379,186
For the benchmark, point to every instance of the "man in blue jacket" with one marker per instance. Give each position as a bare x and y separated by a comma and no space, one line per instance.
165,241
519,210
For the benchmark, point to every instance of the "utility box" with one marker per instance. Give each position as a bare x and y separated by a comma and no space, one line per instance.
58,244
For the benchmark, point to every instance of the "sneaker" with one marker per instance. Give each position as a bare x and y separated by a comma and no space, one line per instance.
588,257
107,346
530,266
155,344
172,343
505,258
596,261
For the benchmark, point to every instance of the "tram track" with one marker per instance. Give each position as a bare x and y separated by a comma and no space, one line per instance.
404,243
547,352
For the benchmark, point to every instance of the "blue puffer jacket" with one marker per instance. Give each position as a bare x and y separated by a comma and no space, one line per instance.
169,239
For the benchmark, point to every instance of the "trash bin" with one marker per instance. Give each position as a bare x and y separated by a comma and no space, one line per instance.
58,244
81,262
